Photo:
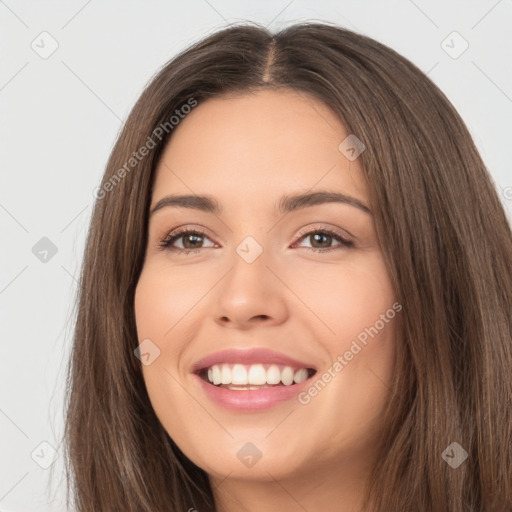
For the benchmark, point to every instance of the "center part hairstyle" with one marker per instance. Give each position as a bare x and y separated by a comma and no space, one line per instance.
444,236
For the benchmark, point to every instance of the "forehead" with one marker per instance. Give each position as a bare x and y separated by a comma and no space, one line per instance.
257,144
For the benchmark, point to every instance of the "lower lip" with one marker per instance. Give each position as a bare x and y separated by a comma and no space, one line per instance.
253,399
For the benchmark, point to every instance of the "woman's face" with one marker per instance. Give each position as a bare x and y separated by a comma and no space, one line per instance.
271,289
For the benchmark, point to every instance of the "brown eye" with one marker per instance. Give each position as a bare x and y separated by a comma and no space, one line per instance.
191,239
322,239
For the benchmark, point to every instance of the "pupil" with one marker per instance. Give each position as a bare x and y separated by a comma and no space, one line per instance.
328,237
187,239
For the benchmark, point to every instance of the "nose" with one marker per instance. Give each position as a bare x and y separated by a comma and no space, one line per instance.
251,294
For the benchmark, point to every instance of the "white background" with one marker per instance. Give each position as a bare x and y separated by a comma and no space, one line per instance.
59,118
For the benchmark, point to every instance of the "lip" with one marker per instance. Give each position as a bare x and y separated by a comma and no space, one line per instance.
251,400
254,399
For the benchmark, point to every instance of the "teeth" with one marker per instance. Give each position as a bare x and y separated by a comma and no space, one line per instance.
225,374
287,376
255,375
300,375
273,375
216,375
238,375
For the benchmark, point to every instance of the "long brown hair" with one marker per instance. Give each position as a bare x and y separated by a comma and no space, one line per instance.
445,239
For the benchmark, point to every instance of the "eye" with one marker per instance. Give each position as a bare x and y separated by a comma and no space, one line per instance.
192,240
323,238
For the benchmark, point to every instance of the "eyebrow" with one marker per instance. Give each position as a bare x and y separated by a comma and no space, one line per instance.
287,203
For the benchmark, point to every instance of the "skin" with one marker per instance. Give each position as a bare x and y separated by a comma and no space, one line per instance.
247,151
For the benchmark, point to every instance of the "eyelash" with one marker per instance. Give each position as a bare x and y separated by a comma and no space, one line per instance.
166,243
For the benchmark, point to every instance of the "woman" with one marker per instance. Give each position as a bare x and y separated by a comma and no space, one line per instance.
221,364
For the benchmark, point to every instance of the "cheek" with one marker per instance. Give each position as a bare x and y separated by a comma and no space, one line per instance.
160,302
353,306
347,299
158,308
162,298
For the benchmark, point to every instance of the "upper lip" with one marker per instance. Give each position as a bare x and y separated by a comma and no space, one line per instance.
249,356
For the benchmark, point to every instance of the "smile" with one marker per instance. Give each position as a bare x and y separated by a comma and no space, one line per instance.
251,380
254,376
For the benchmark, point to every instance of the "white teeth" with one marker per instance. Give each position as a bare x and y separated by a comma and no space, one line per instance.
273,375
216,375
255,375
287,376
300,375
225,375
238,374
